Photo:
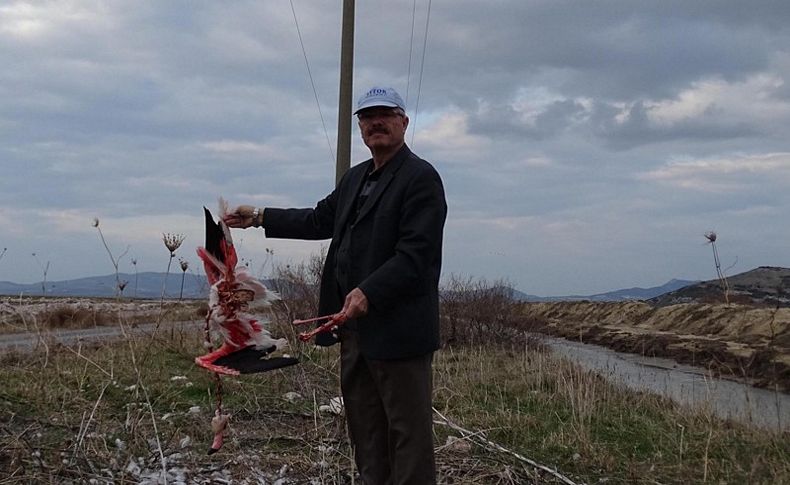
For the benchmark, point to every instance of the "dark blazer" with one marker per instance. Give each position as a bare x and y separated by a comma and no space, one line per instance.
393,254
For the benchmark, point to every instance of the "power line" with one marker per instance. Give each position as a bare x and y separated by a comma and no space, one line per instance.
312,83
422,66
411,48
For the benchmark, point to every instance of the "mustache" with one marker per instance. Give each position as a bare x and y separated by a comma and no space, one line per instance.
379,129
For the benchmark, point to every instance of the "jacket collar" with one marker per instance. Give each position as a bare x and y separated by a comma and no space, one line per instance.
388,172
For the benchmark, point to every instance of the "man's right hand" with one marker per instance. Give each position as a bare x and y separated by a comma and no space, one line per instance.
244,216
356,304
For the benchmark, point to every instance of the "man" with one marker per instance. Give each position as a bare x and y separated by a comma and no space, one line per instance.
386,219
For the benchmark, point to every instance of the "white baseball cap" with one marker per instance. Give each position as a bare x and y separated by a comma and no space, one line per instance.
378,96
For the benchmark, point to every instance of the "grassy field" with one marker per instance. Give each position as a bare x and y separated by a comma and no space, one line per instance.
138,410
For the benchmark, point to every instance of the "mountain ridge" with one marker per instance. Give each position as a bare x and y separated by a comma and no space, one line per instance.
761,286
626,294
149,285
764,285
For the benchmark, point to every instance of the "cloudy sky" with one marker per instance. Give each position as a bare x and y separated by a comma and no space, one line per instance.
584,146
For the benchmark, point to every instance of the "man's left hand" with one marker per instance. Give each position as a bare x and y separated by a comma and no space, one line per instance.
356,304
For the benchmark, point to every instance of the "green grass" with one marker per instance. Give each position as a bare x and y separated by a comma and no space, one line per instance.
558,415
61,413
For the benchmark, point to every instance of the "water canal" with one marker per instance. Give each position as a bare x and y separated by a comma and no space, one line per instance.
687,385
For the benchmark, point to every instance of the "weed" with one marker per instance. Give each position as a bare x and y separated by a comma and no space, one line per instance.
119,285
134,263
45,270
725,287
172,243
184,267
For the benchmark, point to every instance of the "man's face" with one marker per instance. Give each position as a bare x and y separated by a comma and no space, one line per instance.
382,127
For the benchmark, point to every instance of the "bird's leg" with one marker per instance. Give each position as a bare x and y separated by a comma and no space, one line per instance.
207,361
218,424
334,321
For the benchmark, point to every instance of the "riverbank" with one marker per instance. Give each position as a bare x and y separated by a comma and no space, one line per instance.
740,342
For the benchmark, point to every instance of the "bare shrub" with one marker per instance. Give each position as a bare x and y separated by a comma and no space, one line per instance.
473,311
476,311
298,285
67,316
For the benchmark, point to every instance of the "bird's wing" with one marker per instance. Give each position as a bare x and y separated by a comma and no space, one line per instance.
247,343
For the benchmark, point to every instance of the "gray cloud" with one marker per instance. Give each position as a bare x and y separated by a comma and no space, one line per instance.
584,146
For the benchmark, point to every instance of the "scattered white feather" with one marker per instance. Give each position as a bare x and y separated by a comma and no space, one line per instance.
457,444
292,396
223,207
336,405
133,468
185,442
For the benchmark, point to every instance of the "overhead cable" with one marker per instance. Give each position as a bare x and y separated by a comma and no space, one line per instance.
422,66
411,48
312,83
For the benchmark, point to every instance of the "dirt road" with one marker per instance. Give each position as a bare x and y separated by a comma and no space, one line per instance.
28,341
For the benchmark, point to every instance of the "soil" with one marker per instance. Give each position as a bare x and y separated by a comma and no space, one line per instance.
733,341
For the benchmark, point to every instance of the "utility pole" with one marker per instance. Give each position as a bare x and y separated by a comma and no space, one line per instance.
346,89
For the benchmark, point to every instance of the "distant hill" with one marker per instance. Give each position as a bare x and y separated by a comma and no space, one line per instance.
149,285
763,286
616,295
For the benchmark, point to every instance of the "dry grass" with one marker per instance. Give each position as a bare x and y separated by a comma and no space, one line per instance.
559,415
41,314
138,410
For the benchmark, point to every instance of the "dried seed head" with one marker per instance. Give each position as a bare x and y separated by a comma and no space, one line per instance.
122,285
184,264
134,262
173,241
95,222
710,236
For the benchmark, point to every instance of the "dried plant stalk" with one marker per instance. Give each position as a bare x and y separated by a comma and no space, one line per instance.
725,287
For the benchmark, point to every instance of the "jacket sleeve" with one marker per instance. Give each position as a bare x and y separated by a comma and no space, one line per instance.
313,224
415,265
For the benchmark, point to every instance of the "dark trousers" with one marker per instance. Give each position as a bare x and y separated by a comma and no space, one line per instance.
390,420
